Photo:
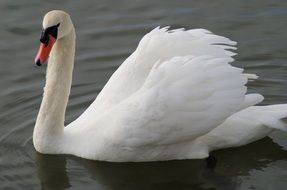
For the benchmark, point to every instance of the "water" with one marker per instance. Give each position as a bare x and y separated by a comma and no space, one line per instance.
107,32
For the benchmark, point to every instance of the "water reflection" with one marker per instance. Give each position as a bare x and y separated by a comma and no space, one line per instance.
52,170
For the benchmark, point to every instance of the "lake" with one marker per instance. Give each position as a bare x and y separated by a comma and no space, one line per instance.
107,33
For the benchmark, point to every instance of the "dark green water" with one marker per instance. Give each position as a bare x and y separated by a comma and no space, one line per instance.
107,32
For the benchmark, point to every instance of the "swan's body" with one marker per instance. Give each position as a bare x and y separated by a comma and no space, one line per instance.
175,97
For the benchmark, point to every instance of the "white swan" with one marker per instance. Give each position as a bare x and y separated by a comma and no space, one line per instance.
175,97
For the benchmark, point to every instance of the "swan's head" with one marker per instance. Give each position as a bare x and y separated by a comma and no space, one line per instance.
56,25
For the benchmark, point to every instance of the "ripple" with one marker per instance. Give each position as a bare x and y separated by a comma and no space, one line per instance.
19,31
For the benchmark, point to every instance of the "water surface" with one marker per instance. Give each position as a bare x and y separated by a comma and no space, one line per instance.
107,32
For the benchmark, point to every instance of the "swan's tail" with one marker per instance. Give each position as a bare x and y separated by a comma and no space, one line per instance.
249,125
243,127
273,116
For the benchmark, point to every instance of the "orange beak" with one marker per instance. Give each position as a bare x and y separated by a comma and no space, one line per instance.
44,51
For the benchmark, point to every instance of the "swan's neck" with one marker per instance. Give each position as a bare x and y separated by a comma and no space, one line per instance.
50,121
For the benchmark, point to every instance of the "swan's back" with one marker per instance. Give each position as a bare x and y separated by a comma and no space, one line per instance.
157,46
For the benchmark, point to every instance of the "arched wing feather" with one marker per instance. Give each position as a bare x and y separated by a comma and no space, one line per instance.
181,99
160,45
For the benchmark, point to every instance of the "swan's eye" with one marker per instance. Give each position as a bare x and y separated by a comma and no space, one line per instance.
44,38
52,30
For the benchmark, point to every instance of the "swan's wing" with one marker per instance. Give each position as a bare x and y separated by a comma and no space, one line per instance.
182,98
159,44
